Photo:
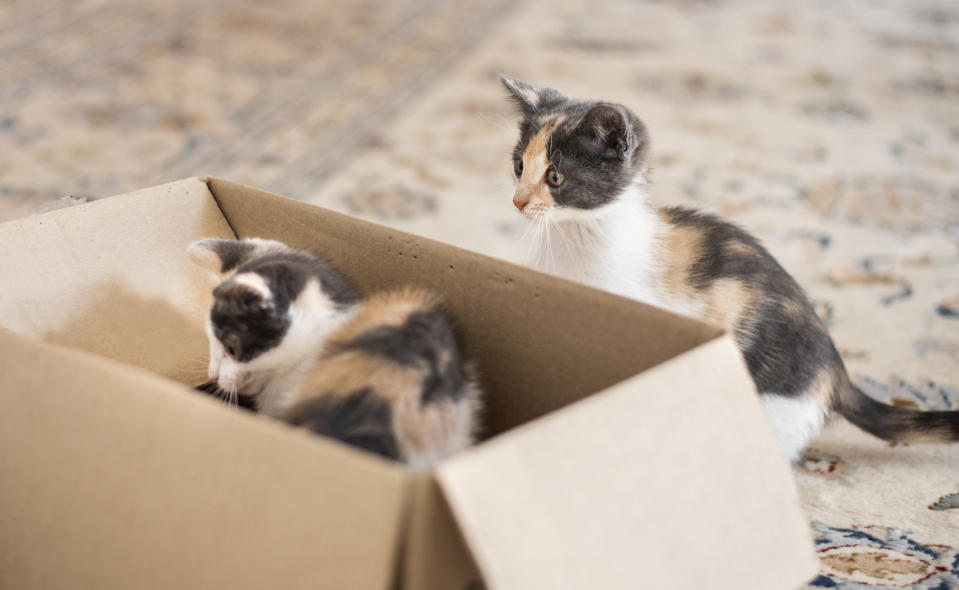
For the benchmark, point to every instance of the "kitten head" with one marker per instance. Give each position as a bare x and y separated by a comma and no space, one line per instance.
573,156
273,306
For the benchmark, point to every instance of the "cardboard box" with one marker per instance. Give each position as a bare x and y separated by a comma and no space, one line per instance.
624,447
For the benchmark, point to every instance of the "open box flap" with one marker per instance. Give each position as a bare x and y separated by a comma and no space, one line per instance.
112,277
669,480
127,480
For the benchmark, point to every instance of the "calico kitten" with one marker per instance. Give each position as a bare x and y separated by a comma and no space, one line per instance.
288,335
580,168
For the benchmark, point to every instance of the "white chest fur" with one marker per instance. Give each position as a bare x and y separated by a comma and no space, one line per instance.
286,365
620,249
278,393
615,248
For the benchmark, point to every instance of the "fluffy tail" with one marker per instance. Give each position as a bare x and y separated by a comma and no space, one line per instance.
894,423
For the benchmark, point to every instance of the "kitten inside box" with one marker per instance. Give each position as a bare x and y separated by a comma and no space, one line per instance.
290,339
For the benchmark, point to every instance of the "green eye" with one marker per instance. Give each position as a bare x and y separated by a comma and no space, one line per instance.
518,168
554,178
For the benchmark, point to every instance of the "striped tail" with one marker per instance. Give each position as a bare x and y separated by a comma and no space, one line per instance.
894,423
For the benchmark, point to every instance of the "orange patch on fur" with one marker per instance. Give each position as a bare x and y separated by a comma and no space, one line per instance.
682,248
204,257
737,248
795,310
823,387
348,372
727,299
531,187
424,429
384,309
421,431
724,300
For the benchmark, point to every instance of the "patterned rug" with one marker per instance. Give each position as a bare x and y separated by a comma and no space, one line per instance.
99,97
829,128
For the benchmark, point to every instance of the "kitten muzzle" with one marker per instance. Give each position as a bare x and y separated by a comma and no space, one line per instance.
213,369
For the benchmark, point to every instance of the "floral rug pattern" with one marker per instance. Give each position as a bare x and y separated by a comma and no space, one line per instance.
882,557
828,128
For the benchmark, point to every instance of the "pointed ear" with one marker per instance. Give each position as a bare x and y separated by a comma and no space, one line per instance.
607,131
220,256
526,97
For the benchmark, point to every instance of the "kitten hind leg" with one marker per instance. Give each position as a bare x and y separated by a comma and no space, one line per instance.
794,420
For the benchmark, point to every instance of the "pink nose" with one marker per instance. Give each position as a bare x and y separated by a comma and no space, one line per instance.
520,204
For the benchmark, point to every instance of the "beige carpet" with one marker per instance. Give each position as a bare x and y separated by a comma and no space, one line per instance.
829,128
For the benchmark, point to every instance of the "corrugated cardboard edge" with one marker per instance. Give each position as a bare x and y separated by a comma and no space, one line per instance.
554,504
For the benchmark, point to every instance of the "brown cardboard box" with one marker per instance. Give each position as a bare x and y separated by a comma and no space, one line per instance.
624,447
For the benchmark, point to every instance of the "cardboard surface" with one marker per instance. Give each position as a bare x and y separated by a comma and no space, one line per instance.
435,555
111,277
115,478
669,480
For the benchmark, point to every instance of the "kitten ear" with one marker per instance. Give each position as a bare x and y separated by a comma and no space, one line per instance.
220,256
526,97
607,131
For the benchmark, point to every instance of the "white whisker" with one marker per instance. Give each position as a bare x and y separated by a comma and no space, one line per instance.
566,241
549,247
497,119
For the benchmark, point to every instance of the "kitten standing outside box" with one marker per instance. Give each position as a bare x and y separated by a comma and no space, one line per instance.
580,170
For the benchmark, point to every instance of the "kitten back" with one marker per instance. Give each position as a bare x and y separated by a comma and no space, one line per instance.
786,346
358,418
398,349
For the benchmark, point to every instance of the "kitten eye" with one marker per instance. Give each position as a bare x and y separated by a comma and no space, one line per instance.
554,178
230,350
518,168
